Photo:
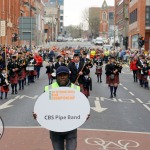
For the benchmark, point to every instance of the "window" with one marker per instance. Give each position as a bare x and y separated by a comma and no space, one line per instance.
133,16
111,15
61,11
61,17
104,15
147,23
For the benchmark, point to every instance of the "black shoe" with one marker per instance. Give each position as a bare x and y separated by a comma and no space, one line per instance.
111,96
100,81
114,94
16,92
12,92
19,88
1,97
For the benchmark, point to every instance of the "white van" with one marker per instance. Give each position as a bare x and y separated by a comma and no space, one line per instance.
99,41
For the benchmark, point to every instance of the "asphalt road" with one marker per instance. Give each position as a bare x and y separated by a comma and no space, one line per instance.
129,111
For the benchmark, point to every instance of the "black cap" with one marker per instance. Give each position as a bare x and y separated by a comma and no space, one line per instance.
50,60
13,56
59,56
62,69
76,55
84,53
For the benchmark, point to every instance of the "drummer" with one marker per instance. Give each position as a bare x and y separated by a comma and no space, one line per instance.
30,68
50,70
99,64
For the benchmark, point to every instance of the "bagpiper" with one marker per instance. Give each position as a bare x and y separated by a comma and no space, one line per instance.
99,64
13,68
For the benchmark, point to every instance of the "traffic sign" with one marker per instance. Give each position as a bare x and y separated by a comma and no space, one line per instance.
62,109
3,28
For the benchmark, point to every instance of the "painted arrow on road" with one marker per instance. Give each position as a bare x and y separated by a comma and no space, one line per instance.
98,107
34,97
6,105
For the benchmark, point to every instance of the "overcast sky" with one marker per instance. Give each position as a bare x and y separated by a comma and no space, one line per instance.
73,9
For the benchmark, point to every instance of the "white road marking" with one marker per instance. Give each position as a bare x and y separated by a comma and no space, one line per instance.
146,107
100,130
125,88
140,101
131,93
120,84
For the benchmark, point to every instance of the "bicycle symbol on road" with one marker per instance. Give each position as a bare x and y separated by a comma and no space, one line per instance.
109,145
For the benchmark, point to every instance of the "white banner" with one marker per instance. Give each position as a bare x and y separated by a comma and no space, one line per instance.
62,109
2,28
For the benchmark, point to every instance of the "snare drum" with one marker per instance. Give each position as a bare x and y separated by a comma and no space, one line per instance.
30,68
98,67
54,74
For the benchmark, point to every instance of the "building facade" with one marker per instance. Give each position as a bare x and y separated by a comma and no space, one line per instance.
122,21
139,23
106,20
9,12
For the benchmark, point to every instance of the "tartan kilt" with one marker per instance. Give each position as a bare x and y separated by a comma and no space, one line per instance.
113,81
139,76
14,78
98,71
24,73
86,92
4,89
49,75
32,73
144,77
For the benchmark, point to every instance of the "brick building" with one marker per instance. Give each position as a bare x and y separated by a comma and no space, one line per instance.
106,19
139,22
10,12
122,21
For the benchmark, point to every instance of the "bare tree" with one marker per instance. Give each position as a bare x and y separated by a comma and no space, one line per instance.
92,17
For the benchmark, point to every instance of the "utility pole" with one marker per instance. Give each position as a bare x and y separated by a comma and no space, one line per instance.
30,28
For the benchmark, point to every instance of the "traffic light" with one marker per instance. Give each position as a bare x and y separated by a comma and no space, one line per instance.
14,37
141,41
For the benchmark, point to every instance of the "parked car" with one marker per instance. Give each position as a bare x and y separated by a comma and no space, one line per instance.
99,41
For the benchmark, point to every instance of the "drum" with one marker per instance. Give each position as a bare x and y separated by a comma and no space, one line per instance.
98,67
30,68
54,74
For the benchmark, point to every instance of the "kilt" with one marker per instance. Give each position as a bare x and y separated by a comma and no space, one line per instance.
49,75
20,77
113,81
98,71
86,92
32,73
14,78
144,77
107,79
139,76
4,89
81,88
24,73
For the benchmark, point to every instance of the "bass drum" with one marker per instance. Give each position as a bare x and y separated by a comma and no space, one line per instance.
54,75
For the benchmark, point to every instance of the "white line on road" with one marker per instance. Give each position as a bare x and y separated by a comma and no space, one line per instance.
125,88
146,107
131,93
140,101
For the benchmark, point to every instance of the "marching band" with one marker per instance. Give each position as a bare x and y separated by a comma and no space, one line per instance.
21,66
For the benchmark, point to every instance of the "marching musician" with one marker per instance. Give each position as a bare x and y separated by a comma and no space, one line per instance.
112,71
31,73
21,71
76,71
99,64
4,83
145,74
67,59
60,62
13,68
49,70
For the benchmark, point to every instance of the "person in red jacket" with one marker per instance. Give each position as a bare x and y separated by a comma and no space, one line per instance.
134,68
39,62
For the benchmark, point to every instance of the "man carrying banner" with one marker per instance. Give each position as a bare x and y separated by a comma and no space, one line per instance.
60,138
